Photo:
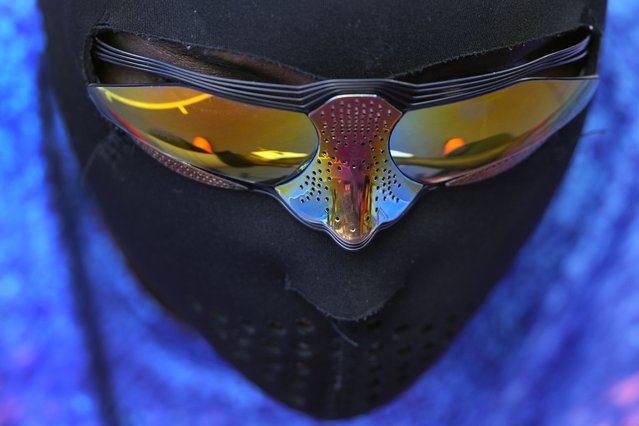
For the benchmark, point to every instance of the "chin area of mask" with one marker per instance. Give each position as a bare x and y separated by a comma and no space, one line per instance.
329,332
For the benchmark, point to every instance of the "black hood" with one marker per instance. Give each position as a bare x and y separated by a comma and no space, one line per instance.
330,332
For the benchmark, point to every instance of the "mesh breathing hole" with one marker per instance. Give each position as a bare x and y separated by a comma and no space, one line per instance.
296,361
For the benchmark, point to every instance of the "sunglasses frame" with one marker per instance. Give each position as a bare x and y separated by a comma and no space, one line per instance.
308,97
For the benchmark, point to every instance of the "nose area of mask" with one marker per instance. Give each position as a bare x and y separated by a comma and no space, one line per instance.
351,188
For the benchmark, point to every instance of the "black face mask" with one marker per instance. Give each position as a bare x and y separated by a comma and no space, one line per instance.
327,331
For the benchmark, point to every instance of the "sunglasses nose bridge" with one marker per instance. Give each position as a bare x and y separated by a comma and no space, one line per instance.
351,187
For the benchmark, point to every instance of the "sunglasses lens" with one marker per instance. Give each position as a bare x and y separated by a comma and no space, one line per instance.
437,143
248,142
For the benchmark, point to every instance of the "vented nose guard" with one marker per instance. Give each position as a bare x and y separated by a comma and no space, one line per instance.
352,187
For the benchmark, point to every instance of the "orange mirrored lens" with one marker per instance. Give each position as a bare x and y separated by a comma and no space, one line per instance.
434,143
239,140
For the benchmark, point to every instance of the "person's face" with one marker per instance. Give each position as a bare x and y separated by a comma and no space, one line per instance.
287,306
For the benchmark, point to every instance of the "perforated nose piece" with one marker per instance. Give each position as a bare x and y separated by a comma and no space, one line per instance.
351,188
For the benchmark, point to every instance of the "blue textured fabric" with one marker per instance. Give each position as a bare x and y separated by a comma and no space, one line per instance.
557,342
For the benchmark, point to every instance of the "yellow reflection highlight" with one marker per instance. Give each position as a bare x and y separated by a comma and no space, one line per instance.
181,105
272,155
466,161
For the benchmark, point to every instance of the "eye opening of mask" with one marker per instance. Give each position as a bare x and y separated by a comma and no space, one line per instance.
349,156
214,62
246,67
306,97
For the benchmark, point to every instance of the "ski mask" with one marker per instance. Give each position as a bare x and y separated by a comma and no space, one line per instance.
331,329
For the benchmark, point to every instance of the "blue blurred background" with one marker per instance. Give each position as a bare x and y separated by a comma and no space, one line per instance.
557,343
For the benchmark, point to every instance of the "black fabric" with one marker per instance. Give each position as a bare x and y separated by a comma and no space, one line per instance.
241,269
341,39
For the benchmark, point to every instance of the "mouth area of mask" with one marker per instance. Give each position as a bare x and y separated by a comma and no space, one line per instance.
330,332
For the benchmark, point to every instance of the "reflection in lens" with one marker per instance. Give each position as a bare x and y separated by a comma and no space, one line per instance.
235,139
444,141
